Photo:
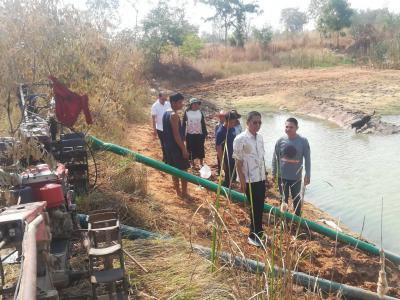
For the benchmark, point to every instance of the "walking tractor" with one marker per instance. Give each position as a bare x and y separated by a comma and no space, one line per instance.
43,166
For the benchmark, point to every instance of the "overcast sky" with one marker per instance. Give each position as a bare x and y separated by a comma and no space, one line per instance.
196,13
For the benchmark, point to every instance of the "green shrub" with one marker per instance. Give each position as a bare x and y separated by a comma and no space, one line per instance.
191,46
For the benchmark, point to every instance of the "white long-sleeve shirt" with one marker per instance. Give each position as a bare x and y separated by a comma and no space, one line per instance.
249,149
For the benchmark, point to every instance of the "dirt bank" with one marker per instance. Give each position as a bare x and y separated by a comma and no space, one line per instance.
312,253
340,95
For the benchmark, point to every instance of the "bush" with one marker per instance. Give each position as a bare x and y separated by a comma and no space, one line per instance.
263,36
191,46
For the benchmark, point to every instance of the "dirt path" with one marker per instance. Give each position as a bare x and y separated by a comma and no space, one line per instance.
317,255
341,95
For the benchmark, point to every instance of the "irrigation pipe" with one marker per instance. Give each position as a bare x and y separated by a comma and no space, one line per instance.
300,278
98,144
312,283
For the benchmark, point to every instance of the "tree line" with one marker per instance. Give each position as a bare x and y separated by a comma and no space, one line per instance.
165,26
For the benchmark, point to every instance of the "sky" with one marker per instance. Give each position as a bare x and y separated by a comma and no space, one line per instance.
197,12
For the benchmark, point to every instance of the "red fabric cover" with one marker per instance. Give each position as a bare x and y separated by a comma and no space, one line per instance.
69,104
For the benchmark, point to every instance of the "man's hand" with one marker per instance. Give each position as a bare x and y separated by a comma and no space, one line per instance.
306,180
185,153
155,133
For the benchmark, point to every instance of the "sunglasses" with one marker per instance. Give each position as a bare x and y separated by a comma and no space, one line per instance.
256,122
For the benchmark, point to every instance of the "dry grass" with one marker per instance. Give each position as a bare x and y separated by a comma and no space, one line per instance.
11,273
175,272
122,186
223,69
300,52
311,58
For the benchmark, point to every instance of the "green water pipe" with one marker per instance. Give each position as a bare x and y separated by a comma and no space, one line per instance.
310,282
97,144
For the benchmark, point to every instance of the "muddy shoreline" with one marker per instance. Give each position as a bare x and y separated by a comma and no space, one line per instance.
327,109
339,95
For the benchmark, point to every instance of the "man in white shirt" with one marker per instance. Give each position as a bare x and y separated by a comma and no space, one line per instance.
248,151
157,111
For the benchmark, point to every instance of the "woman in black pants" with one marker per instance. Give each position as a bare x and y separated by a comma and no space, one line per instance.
196,131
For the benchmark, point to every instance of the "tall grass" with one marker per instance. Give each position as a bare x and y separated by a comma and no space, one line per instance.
40,38
311,58
222,69
217,61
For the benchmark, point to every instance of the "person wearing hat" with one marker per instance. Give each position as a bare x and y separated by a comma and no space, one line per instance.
221,120
224,140
196,131
175,150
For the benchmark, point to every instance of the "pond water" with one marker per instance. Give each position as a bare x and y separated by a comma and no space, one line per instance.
350,175
394,119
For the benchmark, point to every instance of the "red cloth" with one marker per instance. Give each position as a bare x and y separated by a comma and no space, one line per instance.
69,104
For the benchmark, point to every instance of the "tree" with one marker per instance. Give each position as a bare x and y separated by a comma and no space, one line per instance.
162,28
263,36
293,19
336,15
366,28
240,10
316,7
232,14
223,14
104,12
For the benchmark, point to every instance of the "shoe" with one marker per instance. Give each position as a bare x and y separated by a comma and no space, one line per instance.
252,242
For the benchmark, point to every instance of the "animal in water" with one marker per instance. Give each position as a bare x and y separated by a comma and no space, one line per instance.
360,123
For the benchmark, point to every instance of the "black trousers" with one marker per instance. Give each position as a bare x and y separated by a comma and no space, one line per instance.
294,186
162,143
258,190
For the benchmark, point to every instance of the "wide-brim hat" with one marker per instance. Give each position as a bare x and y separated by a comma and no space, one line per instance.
232,115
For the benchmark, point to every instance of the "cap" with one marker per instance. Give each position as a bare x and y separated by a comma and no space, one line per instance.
194,100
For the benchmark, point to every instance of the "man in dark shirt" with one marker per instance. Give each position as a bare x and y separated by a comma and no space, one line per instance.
224,142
